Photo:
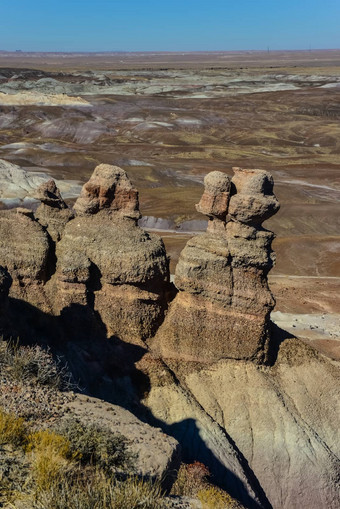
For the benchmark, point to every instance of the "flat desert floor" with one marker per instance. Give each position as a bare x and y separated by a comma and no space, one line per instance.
170,118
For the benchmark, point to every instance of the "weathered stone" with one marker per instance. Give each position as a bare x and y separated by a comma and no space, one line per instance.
109,188
117,269
223,306
254,201
49,194
215,199
53,213
25,251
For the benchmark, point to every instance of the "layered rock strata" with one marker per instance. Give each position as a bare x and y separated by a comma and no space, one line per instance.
223,305
106,262
91,265
25,250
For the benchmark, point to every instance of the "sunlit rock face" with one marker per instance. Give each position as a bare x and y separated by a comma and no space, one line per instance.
223,305
108,263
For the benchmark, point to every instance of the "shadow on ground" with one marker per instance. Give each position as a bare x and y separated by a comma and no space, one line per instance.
105,367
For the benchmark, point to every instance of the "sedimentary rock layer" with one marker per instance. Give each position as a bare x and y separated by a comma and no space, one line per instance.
223,306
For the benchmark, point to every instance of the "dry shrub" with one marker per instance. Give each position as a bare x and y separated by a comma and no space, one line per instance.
213,498
12,429
190,479
96,445
32,364
51,458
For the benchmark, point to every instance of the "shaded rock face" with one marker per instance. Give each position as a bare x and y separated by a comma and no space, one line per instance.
25,250
223,306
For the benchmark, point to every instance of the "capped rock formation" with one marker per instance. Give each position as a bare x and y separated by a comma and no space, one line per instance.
106,262
223,305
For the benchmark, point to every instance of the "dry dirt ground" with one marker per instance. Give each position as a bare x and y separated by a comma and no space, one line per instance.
168,119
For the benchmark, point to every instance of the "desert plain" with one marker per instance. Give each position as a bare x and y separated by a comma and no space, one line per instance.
170,118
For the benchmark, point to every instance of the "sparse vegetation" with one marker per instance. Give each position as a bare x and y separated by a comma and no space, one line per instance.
12,429
98,492
73,468
96,446
32,364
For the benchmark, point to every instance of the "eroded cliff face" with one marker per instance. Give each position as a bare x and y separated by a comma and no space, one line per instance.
259,409
223,305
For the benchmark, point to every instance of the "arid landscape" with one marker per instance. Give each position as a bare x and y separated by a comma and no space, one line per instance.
168,119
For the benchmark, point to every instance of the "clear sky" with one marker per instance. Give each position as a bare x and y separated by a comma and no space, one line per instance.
168,25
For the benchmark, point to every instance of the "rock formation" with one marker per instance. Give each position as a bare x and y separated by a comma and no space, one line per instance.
53,212
268,432
25,250
107,262
99,266
223,305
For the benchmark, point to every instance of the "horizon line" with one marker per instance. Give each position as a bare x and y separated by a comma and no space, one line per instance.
308,50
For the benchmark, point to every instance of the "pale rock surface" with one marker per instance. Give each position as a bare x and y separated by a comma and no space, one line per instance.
281,422
156,455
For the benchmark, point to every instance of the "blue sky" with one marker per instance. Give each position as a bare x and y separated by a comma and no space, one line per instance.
168,25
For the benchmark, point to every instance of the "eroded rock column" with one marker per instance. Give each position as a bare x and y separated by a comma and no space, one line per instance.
223,305
109,265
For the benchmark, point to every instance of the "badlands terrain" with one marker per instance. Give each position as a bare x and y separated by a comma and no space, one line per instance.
168,119
184,360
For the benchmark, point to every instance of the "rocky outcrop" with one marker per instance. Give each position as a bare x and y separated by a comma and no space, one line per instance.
106,262
25,250
97,268
223,306
277,426
53,213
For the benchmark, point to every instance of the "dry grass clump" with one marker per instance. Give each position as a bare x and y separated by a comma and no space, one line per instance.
12,429
99,492
213,498
31,364
96,446
52,458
